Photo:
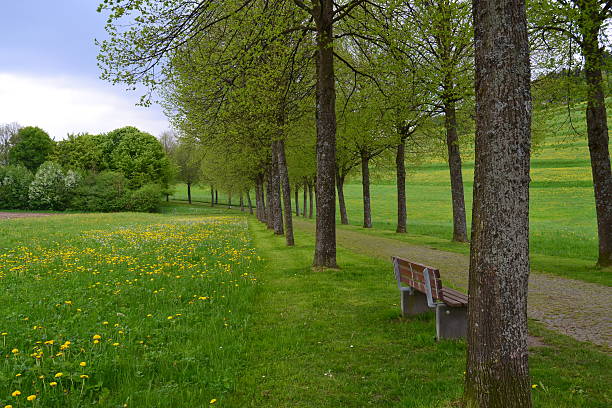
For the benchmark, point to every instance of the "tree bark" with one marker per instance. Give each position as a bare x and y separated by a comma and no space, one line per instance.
212,196
217,197
325,246
597,130
189,192
241,201
310,201
305,213
250,203
456,176
297,201
277,211
341,202
269,206
497,360
400,166
284,179
365,184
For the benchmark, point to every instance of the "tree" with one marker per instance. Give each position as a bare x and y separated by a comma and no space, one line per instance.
32,147
189,161
8,132
81,152
584,23
497,362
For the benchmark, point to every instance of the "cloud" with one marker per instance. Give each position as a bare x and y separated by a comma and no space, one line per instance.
64,104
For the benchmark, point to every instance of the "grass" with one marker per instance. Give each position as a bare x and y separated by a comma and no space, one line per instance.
188,313
141,310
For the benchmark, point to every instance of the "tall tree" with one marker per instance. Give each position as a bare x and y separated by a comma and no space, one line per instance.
188,159
584,23
32,147
8,132
497,361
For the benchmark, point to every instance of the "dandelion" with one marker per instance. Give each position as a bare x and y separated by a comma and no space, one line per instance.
58,375
16,393
84,376
53,384
96,341
534,386
104,323
15,351
31,397
8,406
83,364
115,344
97,337
212,401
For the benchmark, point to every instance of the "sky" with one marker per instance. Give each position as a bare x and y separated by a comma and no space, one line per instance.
49,75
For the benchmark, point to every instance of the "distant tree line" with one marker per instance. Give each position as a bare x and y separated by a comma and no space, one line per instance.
123,170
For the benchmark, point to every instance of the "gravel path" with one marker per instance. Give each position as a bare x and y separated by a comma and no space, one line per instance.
572,307
11,215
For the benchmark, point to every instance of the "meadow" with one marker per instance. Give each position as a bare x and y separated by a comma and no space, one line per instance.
123,309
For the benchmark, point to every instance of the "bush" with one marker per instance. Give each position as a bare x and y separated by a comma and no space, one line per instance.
146,199
51,188
14,187
104,192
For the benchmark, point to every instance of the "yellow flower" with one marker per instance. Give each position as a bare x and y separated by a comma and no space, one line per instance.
8,406
4,333
17,375
52,383
212,401
97,337
96,341
58,375
15,351
115,344
31,397
16,393
82,364
170,317
84,376
534,386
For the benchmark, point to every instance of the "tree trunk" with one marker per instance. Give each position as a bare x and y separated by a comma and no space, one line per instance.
241,201
250,203
310,201
456,176
269,206
297,201
167,198
212,196
497,361
261,207
189,192
217,197
365,183
305,213
597,130
341,201
400,166
325,246
277,211
284,179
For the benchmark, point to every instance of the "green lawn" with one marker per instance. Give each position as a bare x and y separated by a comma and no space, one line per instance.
197,305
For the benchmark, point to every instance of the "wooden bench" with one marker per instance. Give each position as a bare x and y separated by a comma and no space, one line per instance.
421,289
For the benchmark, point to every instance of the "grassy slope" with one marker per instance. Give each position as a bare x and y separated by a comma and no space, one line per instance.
335,339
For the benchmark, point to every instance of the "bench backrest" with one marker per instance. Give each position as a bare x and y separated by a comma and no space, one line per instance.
423,278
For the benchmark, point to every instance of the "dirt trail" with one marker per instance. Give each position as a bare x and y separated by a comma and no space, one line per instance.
575,308
11,215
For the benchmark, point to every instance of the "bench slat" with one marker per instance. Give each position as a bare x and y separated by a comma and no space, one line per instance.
454,298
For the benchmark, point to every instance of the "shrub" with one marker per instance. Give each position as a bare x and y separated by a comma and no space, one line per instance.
146,199
14,187
33,146
50,189
104,192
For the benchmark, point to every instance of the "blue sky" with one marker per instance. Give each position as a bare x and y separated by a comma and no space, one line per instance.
48,72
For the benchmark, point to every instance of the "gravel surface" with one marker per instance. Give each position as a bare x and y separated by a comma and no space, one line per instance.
572,307
10,215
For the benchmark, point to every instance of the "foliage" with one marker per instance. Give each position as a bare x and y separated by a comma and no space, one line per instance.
8,132
82,152
32,147
103,192
51,188
14,187
145,199
139,156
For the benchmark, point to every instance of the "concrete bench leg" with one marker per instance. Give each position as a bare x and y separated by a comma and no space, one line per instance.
413,303
451,322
